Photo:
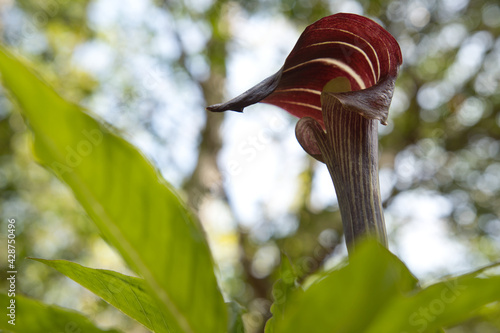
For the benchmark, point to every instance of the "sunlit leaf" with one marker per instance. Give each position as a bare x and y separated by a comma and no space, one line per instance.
36,317
442,304
376,293
126,293
135,209
348,299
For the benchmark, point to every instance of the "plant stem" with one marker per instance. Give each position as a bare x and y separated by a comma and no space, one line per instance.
350,151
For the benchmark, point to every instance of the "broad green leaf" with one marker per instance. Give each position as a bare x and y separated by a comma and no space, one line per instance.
376,293
442,304
135,209
348,299
126,293
36,317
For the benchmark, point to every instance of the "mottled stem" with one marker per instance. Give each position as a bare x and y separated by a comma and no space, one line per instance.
349,148
353,165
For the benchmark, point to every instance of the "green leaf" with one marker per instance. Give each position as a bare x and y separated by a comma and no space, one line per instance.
126,293
376,293
36,317
135,209
348,299
282,290
443,304
235,323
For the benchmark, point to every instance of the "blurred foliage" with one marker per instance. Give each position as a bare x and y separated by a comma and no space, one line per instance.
443,133
42,318
135,210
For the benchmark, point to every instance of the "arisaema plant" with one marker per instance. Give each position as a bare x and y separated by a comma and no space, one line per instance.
339,80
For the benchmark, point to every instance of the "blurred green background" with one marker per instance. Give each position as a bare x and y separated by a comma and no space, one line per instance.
150,67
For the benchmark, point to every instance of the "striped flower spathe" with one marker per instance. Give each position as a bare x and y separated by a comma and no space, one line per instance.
341,45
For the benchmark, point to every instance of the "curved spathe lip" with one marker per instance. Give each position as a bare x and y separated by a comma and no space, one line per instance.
372,102
340,45
251,96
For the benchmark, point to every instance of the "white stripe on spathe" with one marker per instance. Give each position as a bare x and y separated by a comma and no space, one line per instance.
355,48
365,41
336,63
302,104
312,91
